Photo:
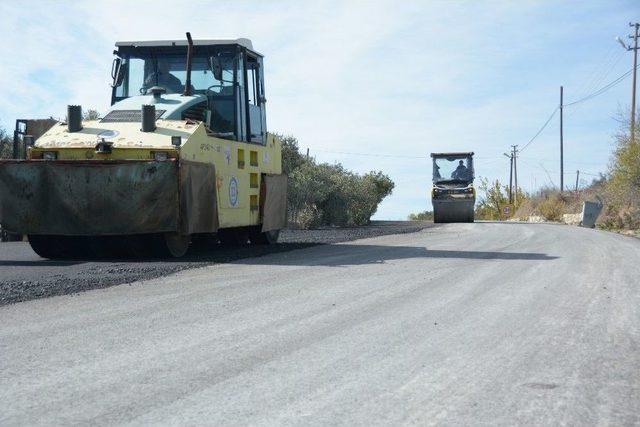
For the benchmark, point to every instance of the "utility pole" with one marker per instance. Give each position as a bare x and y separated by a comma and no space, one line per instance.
561,144
635,72
634,48
577,179
510,156
511,179
515,173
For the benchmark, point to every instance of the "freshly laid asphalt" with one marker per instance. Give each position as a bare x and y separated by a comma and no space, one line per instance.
25,276
464,324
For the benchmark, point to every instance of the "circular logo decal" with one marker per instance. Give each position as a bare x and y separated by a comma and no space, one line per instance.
233,192
108,134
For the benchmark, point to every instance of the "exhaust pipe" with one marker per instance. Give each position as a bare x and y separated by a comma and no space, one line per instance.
187,84
148,118
74,118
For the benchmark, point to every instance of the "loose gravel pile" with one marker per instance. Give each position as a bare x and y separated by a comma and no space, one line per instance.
25,276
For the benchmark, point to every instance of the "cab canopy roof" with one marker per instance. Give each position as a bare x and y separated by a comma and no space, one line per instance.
183,43
470,153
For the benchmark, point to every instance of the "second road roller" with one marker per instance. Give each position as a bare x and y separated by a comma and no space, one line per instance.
452,193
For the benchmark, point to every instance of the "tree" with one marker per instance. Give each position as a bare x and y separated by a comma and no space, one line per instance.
6,144
291,156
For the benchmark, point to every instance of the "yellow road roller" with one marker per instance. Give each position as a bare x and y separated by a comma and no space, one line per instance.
183,153
452,193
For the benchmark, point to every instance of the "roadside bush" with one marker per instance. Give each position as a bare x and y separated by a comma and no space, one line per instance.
622,189
307,188
550,205
552,208
620,218
527,209
309,216
421,216
325,194
492,196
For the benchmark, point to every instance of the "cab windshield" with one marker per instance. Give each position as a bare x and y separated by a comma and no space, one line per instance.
455,168
144,70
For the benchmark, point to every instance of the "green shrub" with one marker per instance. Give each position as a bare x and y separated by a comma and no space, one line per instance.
492,196
309,217
623,186
421,216
324,194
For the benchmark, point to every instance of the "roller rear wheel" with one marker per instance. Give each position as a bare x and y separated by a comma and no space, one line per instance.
264,238
176,244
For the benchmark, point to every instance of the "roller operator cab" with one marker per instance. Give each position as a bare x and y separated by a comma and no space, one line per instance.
183,152
452,194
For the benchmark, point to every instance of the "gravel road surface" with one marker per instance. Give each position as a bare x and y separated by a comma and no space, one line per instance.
24,275
465,324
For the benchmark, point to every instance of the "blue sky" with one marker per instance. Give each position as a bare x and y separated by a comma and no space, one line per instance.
382,78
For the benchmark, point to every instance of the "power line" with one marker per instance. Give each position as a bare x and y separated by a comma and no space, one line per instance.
348,153
546,123
603,72
602,90
591,174
576,162
584,99
597,80
370,154
541,129
541,167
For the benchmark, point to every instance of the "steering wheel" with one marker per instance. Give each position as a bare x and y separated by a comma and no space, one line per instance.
215,86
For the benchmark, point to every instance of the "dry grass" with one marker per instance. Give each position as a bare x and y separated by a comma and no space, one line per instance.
552,208
551,205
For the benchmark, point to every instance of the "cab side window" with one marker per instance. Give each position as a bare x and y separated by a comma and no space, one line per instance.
256,122
252,75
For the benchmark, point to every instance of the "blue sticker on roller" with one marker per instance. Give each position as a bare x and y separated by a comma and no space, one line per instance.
233,192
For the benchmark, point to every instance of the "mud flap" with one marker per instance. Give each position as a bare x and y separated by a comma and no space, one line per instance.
89,197
275,203
198,203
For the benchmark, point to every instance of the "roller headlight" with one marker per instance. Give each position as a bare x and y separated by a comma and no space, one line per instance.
160,156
